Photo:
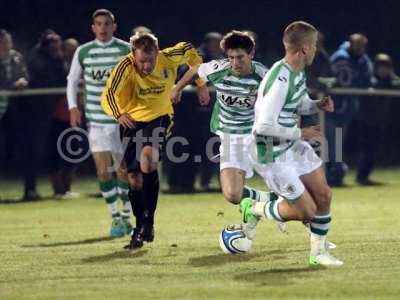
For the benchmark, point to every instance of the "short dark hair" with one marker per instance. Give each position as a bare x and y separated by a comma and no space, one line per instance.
237,40
145,41
103,12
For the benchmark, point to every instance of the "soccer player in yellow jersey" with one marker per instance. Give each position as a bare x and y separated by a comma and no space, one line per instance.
138,96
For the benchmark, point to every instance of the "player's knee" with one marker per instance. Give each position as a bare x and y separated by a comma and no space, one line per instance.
149,159
232,196
135,181
104,175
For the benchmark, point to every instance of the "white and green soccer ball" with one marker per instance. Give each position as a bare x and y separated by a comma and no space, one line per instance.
233,240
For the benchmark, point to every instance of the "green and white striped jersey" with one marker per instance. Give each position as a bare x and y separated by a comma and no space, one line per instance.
96,61
282,97
234,107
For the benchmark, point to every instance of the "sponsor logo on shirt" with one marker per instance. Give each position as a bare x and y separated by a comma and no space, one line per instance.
100,74
236,101
152,90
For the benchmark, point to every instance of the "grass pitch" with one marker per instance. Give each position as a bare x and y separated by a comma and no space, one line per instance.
60,250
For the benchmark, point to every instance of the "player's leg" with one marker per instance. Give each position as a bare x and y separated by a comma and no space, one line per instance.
296,205
232,183
135,180
121,171
282,178
234,188
123,190
137,201
108,188
135,194
235,166
316,183
154,134
149,159
144,189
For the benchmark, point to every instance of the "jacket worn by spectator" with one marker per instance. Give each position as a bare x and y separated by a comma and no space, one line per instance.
12,68
45,70
353,72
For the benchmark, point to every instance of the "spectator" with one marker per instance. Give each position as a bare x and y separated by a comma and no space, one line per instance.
192,122
13,75
209,50
352,68
321,67
46,69
373,118
60,169
69,46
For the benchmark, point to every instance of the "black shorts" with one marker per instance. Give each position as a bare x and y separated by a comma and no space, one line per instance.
153,133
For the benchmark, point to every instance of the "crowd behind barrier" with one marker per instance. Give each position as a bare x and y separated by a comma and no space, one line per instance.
34,113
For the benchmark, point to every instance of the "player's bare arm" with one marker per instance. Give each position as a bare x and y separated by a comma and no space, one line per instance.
188,77
75,117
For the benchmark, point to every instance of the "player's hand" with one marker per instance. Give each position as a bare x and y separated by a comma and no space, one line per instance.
126,121
311,133
75,117
176,95
326,104
203,95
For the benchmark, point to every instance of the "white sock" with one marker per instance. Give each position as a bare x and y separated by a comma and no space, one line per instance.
126,210
258,208
263,196
317,243
113,208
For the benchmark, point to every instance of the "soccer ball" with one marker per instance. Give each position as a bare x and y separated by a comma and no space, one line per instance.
232,240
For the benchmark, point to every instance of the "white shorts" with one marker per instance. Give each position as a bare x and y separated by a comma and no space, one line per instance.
105,138
283,175
235,152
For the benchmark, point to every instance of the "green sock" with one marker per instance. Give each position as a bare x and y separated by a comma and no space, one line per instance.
258,195
271,210
123,189
109,191
320,224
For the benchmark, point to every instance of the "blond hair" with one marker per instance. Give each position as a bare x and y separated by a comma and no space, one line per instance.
297,34
145,41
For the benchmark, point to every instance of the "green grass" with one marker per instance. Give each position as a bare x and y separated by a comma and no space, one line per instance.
60,250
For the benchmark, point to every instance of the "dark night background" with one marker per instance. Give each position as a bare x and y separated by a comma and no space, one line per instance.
174,21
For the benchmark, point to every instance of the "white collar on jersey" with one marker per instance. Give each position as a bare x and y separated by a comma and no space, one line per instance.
104,44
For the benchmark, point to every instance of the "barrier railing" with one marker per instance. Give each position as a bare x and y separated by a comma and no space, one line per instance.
332,91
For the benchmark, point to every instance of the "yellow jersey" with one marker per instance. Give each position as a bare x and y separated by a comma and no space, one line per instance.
146,98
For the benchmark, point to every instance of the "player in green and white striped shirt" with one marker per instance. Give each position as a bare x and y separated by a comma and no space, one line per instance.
236,80
286,161
95,60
